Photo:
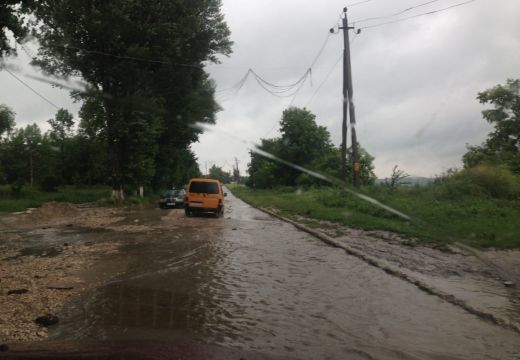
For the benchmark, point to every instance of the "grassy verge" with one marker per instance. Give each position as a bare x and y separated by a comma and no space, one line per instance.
32,198
476,221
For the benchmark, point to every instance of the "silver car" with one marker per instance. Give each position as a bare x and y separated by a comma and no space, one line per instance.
172,198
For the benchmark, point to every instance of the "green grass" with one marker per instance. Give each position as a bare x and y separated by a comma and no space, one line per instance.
478,221
32,198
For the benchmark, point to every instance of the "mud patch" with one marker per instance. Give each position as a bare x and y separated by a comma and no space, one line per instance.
50,278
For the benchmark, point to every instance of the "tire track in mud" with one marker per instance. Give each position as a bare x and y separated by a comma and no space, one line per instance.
395,271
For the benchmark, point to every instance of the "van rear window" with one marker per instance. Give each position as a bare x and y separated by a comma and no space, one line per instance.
202,187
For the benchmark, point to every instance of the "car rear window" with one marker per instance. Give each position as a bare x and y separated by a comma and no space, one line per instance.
202,187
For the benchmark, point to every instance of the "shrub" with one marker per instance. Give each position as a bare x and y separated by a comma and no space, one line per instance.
481,180
50,183
497,181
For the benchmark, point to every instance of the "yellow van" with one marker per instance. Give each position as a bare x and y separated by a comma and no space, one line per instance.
204,195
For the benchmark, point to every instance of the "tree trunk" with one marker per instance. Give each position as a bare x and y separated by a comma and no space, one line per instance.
31,169
118,194
141,191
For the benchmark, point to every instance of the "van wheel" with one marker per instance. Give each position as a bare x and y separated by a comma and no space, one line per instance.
187,212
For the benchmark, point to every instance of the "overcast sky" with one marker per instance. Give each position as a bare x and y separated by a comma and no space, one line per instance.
415,82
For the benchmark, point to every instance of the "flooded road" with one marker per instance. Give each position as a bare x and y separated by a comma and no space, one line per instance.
249,281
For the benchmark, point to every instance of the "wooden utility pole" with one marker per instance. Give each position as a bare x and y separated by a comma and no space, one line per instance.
237,173
344,128
348,103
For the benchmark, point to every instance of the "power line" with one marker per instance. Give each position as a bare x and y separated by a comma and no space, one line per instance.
238,85
281,88
328,74
324,80
281,93
316,58
359,3
125,57
30,88
299,88
418,15
395,14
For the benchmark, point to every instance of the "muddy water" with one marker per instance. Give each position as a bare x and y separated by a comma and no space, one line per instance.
251,282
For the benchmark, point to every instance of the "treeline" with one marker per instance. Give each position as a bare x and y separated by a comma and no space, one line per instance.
304,143
491,169
145,87
63,155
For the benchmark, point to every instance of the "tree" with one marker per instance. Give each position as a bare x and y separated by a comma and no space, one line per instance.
503,143
13,155
144,61
261,170
236,174
61,126
32,137
302,142
308,145
7,122
366,161
216,172
10,12
396,177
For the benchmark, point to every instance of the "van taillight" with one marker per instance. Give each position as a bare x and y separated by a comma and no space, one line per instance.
220,202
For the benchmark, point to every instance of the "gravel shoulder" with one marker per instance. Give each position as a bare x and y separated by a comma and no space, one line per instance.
45,262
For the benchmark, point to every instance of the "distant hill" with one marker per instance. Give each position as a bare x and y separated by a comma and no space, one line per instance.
412,180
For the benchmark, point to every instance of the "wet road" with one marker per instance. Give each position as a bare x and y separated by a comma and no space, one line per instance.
249,281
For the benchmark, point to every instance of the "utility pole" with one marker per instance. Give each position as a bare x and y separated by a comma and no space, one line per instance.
237,172
344,128
348,103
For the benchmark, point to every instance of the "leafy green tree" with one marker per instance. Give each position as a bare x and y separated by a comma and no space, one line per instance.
10,13
503,143
308,145
366,171
7,121
61,127
261,170
216,172
152,51
302,142
14,164
32,137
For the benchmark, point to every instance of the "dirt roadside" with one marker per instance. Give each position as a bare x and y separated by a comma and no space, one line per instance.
37,277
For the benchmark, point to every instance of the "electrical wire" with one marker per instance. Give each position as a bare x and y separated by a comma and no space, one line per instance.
126,57
395,14
418,15
281,93
279,89
30,88
324,80
329,74
283,88
235,88
359,3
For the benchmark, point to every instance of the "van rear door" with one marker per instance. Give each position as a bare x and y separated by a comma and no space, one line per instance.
204,194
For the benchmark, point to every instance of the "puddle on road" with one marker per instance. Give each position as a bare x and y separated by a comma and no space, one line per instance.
271,290
36,251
